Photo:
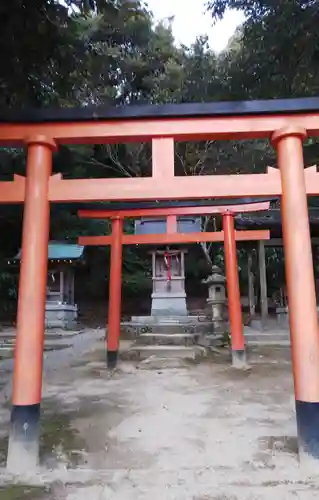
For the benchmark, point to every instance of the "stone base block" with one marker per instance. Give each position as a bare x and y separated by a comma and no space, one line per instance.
153,324
169,304
60,315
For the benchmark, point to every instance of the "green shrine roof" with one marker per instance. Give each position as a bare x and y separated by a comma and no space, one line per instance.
61,251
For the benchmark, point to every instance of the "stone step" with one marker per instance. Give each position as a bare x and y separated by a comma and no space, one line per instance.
268,325
166,339
6,336
277,342
165,351
268,336
216,340
156,363
175,329
48,345
281,337
155,320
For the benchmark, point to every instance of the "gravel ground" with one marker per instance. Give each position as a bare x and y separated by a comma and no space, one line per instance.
200,432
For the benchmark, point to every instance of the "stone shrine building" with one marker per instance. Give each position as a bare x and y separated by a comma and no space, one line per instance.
168,277
61,311
168,267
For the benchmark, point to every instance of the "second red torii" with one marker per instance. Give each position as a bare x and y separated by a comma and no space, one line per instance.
229,236
172,236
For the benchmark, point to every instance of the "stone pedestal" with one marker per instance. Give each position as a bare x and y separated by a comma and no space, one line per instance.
172,305
60,309
59,315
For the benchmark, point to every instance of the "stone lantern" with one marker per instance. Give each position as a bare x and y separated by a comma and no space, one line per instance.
217,298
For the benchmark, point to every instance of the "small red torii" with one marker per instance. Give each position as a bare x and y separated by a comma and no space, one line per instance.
229,236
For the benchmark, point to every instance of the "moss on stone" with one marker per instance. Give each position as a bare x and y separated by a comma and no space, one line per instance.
23,492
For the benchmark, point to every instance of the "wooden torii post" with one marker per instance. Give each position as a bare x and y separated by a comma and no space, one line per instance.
228,236
286,123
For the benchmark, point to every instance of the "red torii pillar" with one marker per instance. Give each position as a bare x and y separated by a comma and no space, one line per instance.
23,451
115,288
303,317
233,291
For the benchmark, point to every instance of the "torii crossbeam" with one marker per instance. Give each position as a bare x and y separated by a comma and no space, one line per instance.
171,188
286,123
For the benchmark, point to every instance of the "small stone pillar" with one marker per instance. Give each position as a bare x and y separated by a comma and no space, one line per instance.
217,299
169,296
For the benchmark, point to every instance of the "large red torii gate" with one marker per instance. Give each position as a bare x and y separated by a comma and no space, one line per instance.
285,122
229,236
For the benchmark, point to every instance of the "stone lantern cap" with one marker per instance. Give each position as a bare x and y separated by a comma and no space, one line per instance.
215,278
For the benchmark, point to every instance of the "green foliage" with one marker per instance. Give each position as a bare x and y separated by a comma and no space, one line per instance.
137,272
273,55
35,37
256,10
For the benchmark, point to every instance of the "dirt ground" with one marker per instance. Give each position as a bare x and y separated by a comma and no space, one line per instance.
195,432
